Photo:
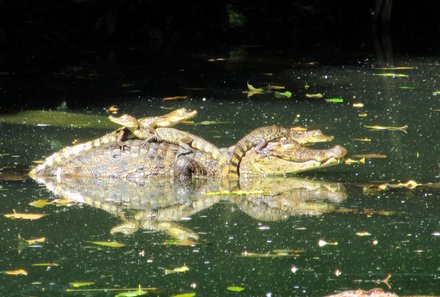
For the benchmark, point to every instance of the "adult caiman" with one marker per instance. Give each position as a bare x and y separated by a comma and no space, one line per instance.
147,130
142,159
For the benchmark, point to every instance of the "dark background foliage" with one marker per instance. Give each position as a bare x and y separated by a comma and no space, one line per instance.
159,24
79,51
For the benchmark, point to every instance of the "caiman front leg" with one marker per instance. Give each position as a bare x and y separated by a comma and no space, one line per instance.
184,146
121,137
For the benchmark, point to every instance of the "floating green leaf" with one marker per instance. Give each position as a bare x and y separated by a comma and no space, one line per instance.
235,289
81,284
406,87
285,94
112,244
334,100
436,93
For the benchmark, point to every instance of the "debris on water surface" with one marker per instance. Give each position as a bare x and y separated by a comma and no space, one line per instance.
361,293
25,216
180,269
388,128
322,243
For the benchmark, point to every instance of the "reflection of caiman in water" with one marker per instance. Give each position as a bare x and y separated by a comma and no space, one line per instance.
159,203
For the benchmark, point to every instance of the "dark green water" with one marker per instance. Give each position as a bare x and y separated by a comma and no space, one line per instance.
404,240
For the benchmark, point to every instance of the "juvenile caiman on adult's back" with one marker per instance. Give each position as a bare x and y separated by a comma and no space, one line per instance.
141,159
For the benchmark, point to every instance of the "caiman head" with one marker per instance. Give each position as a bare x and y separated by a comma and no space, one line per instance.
175,117
167,120
288,156
125,120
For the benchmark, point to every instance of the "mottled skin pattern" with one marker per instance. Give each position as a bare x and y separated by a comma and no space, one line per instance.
118,136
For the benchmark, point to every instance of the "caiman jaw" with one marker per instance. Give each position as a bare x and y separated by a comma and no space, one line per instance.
289,158
175,117
125,120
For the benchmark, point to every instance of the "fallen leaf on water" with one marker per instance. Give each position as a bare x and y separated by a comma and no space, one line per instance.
112,244
253,91
436,93
38,161
362,139
322,243
388,128
216,59
36,240
266,255
352,161
406,87
45,264
363,115
131,294
391,74
363,234
385,186
185,295
370,156
15,272
288,251
314,96
81,284
180,269
40,203
272,87
112,109
285,94
174,98
334,100
396,68
25,216
235,289
358,105
385,281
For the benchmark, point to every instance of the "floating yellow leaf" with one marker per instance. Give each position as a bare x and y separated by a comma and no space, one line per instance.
352,161
40,203
322,243
362,139
38,161
138,292
36,240
388,128
16,272
363,234
314,96
391,74
396,68
174,98
112,244
81,284
25,216
363,115
370,156
272,87
358,105
253,91
185,295
45,264
181,269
